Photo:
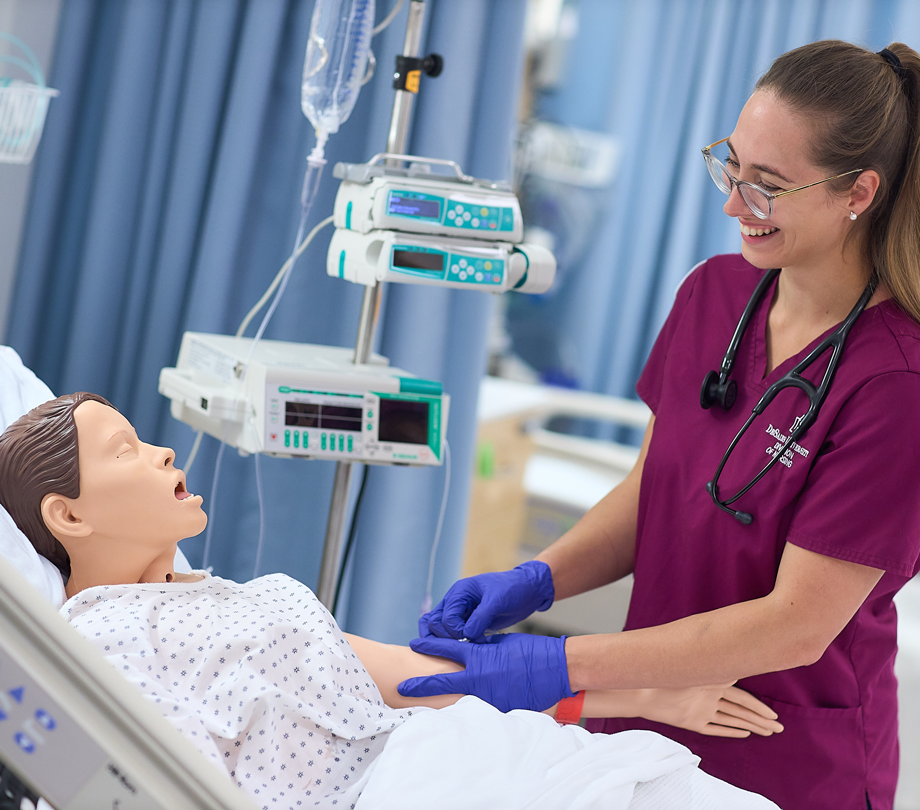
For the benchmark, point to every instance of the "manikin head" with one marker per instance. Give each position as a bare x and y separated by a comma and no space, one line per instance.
103,506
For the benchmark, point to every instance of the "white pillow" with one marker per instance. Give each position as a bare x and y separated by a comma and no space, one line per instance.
20,391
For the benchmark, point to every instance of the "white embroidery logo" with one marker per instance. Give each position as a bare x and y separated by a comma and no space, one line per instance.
780,440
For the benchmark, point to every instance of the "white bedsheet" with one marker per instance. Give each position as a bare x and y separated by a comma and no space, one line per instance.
471,755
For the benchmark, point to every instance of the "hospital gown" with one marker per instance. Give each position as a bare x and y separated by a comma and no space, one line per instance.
257,675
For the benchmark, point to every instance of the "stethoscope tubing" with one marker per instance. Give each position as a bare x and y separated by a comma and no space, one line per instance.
792,379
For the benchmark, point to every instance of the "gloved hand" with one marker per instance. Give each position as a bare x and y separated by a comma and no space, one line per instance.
510,671
490,602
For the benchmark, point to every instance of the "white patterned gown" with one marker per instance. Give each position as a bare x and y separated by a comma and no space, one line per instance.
257,675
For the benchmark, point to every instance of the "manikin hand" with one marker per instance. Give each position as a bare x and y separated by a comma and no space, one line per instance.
719,711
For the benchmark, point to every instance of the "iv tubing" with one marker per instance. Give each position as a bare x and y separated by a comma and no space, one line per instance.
254,311
388,19
315,164
284,269
311,178
426,600
193,452
261,543
207,539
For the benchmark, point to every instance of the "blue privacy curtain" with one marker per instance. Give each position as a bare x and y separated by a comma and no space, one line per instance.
165,198
666,78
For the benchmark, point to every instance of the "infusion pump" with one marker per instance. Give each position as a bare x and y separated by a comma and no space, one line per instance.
376,198
302,400
414,227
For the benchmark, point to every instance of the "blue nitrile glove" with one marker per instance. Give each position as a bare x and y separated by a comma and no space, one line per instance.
510,671
490,602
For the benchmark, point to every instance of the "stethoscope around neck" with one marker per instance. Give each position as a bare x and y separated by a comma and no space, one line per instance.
719,389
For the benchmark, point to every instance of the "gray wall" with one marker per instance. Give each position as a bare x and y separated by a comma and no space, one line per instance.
35,23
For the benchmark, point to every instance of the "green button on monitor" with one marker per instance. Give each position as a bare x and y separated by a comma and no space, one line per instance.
341,442
287,438
296,438
322,441
351,444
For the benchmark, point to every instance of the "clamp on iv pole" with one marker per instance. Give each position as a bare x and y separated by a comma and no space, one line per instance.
406,86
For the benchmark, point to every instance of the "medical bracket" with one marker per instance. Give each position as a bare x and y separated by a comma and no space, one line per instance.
410,68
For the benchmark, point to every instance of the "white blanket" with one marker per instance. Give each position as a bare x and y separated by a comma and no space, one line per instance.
261,679
471,755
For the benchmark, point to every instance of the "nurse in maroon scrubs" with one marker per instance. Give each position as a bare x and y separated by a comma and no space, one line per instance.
774,512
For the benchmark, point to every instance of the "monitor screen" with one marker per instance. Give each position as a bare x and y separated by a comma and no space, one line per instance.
404,422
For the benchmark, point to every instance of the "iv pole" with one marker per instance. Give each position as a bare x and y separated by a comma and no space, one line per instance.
367,327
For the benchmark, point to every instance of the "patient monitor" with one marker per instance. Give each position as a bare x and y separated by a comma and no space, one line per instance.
80,735
296,399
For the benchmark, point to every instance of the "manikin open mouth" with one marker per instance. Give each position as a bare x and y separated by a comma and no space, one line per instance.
181,492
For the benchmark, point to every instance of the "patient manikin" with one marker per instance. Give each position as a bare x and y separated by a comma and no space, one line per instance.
257,675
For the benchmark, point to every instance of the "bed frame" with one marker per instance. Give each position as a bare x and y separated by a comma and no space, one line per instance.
79,735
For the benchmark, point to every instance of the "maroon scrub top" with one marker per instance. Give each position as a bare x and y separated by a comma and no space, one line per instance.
850,490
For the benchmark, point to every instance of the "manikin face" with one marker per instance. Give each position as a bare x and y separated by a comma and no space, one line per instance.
769,148
129,490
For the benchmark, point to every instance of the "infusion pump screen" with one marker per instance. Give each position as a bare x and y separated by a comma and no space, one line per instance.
331,417
419,260
414,206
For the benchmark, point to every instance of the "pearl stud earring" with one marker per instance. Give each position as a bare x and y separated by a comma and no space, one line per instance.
853,215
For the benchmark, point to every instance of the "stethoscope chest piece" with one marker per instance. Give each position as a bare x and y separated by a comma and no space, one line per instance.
718,391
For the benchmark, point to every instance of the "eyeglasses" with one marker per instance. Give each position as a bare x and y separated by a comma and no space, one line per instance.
759,200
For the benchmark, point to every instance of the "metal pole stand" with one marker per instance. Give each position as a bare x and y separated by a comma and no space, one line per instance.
370,309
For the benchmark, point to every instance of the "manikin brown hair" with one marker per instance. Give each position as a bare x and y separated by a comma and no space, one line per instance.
865,114
39,456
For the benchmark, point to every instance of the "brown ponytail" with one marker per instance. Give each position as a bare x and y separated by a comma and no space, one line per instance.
866,114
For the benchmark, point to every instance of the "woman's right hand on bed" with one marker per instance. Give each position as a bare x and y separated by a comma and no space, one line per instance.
719,711
490,602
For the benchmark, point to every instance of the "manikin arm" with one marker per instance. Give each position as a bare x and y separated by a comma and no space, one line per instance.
724,711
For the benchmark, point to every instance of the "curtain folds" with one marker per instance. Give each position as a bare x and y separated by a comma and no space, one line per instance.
165,198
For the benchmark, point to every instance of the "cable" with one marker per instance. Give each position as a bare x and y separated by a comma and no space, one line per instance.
351,538
426,600
388,19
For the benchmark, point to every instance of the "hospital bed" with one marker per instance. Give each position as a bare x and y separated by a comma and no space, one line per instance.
79,735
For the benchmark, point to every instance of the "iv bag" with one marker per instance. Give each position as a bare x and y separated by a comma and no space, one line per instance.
336,61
